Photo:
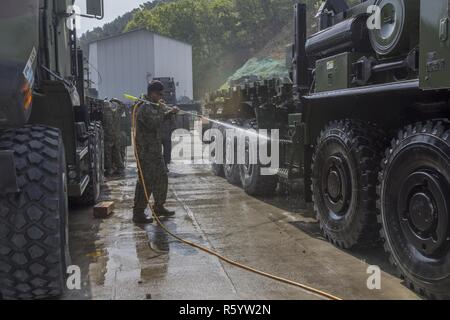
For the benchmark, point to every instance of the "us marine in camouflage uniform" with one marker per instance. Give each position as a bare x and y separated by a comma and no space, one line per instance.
167,129
119,141
149,119
113,159
108,127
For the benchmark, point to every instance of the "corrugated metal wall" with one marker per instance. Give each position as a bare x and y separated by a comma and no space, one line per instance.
127,62
174,59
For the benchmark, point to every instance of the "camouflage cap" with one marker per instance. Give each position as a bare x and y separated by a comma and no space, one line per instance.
154,86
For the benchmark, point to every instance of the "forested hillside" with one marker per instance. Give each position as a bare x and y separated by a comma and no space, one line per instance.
117,26
224,34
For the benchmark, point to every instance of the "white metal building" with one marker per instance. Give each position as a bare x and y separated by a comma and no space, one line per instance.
127,62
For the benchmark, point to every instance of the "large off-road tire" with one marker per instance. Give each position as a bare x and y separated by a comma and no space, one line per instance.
33,222
231,169
253,182
92,192
414,203
345,168
217,166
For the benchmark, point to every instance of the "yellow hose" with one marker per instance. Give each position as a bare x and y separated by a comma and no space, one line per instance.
206,250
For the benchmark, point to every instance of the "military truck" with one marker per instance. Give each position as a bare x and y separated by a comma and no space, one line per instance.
364,129
50,149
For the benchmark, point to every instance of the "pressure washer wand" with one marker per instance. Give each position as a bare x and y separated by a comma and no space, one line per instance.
136,99
133,98
226,125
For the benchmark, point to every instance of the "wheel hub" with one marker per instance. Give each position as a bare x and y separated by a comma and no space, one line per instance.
424,204
422,211
336,185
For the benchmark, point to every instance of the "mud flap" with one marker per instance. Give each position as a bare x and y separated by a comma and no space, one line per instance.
8,182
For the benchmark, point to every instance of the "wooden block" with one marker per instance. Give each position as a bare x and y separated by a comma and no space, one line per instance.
103,210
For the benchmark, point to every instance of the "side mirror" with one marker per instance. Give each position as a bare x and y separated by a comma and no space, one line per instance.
95,8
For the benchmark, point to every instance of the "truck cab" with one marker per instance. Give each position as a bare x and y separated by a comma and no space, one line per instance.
50,147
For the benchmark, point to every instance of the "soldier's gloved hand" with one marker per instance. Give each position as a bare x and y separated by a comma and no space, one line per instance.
175,110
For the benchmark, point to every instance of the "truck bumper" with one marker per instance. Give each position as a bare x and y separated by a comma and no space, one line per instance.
8,181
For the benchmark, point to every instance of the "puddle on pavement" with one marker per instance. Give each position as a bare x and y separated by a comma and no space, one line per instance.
125,260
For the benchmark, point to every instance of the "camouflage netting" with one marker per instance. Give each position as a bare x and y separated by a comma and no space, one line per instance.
258,69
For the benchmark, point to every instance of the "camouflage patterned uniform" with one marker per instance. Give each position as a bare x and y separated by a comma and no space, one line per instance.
149,119
124,140
123,145
167,129
108,124
118,159
112,152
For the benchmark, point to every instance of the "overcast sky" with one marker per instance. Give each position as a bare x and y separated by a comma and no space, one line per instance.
113,9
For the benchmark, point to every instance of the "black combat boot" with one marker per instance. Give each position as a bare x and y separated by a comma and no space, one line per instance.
141,218
163,212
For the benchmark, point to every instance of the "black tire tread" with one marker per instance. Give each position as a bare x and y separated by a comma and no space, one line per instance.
266,185
367,141
31,263
217,169
232,175
441,130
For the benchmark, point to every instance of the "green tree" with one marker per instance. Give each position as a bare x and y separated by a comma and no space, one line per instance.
224,33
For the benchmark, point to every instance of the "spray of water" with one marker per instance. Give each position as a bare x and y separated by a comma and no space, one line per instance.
247,132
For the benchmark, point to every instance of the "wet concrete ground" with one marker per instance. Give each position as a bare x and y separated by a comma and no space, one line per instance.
120,260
